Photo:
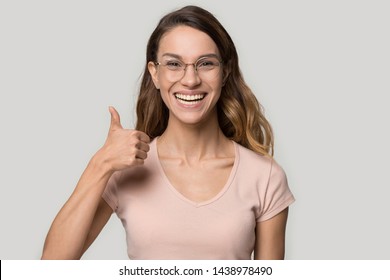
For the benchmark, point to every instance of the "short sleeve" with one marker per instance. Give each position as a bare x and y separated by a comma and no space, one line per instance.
276,196
110,194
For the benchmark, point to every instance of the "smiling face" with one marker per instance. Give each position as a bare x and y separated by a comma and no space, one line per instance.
190,98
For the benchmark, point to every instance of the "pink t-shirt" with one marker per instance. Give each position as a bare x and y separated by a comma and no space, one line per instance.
161,223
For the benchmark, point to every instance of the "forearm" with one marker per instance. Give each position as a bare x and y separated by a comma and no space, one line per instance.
71,226
124,148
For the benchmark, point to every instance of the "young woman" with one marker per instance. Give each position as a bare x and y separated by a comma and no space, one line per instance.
196,178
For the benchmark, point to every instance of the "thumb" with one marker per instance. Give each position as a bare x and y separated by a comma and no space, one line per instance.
115,119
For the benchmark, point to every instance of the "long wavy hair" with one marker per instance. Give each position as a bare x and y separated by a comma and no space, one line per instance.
240,115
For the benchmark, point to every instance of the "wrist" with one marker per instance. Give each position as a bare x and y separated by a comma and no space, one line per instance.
100,164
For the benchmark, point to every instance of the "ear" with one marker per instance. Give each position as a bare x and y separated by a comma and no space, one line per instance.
153,72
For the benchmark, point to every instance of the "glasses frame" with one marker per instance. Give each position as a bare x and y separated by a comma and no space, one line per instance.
183,69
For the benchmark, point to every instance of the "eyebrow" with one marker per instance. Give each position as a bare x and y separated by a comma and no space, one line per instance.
181,58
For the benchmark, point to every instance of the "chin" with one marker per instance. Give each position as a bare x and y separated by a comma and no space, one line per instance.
194,118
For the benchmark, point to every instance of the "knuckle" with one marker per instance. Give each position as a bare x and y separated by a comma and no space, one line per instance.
137,145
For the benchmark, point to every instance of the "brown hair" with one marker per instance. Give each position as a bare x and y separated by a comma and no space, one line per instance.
240,115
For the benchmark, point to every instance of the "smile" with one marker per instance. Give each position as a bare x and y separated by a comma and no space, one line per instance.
189,99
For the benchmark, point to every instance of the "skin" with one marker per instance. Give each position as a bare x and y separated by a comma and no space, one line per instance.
85,213
195,155
193,150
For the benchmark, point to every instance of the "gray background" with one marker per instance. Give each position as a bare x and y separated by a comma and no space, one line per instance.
320,68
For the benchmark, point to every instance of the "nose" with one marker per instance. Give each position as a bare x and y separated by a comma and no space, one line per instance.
190,77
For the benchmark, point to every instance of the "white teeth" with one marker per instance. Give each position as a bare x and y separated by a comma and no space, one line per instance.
186,97
188,102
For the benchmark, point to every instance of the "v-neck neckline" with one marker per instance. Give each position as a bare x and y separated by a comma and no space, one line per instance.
183,197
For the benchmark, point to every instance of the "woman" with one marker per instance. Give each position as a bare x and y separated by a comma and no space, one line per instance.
196,178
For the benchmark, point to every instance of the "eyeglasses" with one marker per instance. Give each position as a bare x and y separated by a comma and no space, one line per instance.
207,68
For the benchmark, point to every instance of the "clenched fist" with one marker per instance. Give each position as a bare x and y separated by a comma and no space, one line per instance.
123,148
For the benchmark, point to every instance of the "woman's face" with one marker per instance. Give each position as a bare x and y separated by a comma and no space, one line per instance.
190,95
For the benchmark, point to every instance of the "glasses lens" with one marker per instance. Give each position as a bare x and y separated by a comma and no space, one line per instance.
207,68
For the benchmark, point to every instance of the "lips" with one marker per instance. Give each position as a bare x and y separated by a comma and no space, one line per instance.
189,99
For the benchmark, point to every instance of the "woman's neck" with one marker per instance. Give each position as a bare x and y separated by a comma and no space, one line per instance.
194,141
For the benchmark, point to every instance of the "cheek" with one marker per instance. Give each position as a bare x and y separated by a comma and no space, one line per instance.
163,83
217,88
165,95
165,87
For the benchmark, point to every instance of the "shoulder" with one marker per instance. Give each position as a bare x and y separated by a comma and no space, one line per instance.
269,180
253,160
258,165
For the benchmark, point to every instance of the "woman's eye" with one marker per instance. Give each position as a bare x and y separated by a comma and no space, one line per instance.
207,64
173,64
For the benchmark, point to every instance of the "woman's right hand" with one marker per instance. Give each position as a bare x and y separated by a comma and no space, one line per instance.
123,148
85,213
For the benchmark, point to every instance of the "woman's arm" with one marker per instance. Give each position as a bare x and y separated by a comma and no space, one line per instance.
103,214
69,230
270,237
85,213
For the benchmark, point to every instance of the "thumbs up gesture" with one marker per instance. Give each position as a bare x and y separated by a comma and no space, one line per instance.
123,148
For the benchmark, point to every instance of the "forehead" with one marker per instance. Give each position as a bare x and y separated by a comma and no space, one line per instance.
186,42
